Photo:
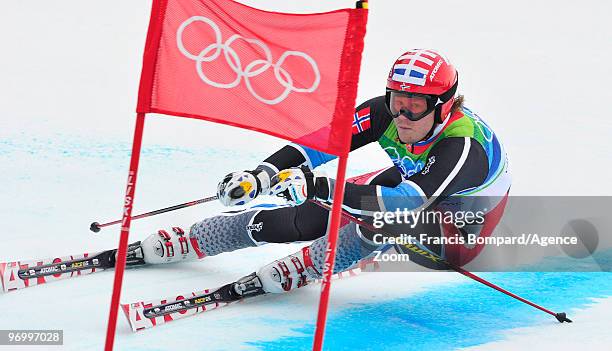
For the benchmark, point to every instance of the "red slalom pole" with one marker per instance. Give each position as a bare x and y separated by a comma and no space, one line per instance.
125,232
95,226
560,316
330,258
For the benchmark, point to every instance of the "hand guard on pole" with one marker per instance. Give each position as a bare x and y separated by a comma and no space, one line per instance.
238,188
297,185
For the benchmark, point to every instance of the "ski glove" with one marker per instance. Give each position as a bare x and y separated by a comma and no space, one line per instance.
297,185
238,188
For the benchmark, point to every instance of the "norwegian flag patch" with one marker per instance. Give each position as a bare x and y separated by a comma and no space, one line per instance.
361,120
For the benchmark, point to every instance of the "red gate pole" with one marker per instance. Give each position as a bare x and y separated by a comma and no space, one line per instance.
125,232
332,239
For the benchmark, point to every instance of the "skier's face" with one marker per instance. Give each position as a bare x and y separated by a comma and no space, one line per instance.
409,131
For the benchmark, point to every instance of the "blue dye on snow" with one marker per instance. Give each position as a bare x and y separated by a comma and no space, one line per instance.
455,315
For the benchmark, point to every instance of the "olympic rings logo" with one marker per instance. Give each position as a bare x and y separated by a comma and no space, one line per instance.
254,68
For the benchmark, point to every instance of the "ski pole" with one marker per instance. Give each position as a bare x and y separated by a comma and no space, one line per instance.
561,316
95,226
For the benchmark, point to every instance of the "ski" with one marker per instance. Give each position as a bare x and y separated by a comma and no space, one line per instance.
27,273
147,314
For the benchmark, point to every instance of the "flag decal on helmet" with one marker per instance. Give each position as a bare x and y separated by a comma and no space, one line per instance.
417,68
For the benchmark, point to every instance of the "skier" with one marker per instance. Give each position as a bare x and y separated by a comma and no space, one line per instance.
439,148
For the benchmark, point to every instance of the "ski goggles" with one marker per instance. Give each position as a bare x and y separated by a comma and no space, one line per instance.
410,105
415,106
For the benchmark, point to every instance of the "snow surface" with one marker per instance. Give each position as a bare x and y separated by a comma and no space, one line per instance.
536,71
588,325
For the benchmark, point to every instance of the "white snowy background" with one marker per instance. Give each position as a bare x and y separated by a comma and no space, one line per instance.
537,71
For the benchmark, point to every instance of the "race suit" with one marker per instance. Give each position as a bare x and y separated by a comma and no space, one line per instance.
461,158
